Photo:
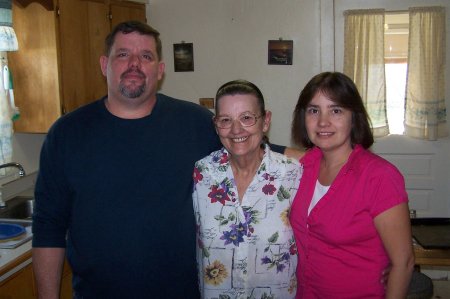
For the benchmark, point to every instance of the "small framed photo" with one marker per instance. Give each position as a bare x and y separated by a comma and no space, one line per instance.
183,55
207,102
280,52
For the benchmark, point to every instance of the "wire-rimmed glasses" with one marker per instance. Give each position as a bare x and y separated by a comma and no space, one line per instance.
246,119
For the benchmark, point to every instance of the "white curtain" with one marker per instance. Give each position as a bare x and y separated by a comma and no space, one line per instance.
364,62
425,115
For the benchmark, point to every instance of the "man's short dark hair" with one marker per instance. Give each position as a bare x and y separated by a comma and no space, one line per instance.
129,27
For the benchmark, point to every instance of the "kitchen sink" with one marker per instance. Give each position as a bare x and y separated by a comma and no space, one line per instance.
18,211
19,240
19,207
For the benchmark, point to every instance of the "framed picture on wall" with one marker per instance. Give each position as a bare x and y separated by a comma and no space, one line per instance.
183,55
280,52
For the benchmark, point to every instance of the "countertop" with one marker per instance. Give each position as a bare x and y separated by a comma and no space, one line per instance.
9,259
432,233
12,260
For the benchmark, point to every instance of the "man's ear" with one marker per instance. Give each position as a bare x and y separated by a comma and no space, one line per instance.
103,64
161,68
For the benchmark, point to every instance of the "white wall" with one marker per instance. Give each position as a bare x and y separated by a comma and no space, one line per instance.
26,150
230,41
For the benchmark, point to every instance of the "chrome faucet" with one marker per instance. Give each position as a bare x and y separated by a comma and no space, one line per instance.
21,174
16,165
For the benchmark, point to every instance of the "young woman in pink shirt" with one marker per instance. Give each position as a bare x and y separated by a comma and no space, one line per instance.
350,215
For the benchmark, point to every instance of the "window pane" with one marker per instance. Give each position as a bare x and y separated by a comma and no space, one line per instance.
396,57
395,96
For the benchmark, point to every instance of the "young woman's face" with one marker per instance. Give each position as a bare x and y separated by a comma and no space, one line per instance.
328,124
234,113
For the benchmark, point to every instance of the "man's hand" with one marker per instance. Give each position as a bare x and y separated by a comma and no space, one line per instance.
385,275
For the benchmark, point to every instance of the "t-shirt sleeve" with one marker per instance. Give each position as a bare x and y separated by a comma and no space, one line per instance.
51,213
388,190
277,148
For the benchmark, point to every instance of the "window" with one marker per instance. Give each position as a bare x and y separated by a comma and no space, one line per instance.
397,61
396,32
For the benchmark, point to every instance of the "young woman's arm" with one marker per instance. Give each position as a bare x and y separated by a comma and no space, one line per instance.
394,227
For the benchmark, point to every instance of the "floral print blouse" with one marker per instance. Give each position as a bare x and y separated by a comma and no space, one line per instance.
245,250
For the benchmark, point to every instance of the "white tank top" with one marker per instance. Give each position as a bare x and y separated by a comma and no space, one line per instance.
319,192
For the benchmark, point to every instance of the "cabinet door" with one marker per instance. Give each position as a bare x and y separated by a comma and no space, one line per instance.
66,282
35,68
19,285
83,26
125,11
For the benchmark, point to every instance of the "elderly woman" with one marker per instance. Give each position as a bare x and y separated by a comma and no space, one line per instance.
242,197
350,215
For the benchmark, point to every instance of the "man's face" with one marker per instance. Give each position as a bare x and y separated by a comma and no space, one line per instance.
132,68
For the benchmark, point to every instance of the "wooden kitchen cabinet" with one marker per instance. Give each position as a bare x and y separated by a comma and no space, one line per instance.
66,282
56,68
19,285
124,11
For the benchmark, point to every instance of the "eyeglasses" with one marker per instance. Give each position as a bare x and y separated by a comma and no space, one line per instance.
246,120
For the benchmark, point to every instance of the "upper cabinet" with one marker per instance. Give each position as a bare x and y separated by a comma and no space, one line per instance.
56,68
